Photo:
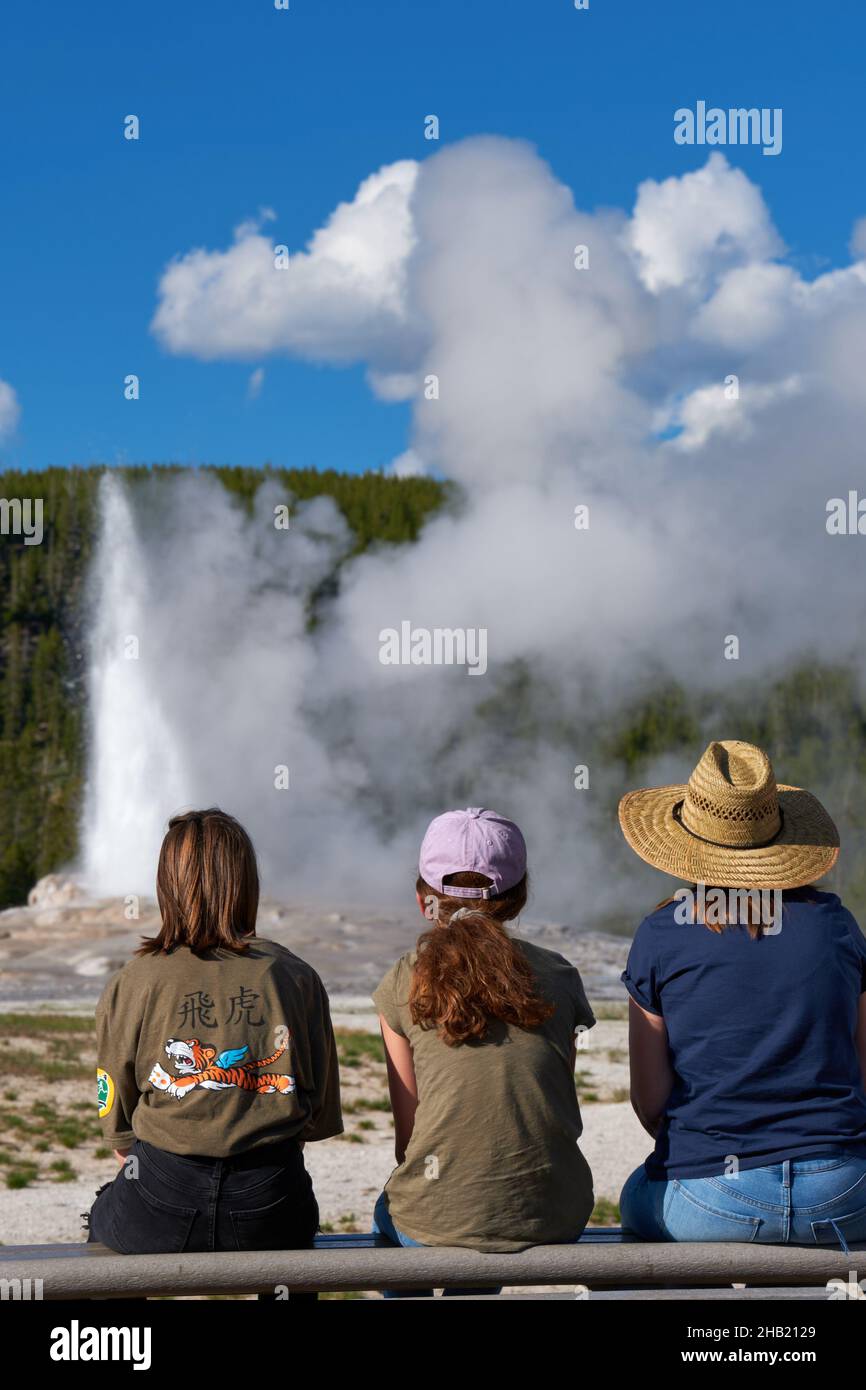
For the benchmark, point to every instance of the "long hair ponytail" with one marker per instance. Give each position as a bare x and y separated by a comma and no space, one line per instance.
468,969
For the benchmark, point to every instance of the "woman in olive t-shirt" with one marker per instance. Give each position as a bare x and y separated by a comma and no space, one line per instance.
217,1063
479,1030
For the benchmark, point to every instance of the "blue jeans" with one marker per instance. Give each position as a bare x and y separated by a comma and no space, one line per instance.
384,1226
803,1201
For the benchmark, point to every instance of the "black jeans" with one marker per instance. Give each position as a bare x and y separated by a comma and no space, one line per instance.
164,1203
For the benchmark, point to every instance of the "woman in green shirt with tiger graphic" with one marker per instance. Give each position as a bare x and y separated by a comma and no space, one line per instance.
217,1063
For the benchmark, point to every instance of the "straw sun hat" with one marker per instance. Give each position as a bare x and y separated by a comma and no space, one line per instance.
731,826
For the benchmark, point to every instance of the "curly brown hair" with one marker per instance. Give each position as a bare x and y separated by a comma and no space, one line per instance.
468,970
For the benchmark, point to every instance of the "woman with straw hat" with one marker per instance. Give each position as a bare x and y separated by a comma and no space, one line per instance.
747,1029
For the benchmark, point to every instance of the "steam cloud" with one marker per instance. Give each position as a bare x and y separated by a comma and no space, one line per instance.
557,387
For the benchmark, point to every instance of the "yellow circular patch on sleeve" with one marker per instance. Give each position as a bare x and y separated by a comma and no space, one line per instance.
104,1092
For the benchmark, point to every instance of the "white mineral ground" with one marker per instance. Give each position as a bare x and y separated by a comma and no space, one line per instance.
56,954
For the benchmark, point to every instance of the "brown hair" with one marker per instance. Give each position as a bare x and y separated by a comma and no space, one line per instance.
207,885
469,970
754,920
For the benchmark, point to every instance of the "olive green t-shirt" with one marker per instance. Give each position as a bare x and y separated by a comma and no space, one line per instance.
216,1054
493,1162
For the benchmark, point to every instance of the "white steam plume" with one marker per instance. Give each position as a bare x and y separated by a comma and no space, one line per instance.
554,384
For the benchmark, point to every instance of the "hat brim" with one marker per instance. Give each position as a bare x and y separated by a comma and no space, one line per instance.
806,847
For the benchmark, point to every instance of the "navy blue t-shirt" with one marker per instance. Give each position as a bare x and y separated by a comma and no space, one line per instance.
762,1037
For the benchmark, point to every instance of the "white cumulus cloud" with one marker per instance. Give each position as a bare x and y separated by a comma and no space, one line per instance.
409,464
713,410
340,299
685,229
551,382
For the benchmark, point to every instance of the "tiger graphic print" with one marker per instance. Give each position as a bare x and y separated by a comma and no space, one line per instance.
199,1064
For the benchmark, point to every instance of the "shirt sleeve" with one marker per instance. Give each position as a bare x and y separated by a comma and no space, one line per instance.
386,997
326,1114
117,1028
859,946
583,1015
641,974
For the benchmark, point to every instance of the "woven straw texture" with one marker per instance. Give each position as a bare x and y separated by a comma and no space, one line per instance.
731,826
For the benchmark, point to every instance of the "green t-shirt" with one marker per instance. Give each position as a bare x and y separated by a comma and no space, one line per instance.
218,1054
493,1162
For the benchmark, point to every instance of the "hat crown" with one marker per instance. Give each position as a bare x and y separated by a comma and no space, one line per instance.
731,797
474,840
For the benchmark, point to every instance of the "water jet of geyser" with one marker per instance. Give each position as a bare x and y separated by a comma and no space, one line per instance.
136,763
205,684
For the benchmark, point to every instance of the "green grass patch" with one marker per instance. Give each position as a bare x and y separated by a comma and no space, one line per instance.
605,1213
355,1047
71,1134
45,1025
20,1062
22,1176
610,1011
10,1119
62,1170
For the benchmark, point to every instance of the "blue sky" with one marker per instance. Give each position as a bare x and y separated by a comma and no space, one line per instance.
244,107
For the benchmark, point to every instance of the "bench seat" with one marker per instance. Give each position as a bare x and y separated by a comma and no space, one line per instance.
603,1259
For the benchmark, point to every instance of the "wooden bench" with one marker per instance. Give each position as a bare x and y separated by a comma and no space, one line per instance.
603,1262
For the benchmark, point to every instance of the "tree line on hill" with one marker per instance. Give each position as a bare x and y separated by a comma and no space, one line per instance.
812,719
43,639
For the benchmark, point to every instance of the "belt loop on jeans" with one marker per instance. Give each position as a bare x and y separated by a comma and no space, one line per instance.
843,1244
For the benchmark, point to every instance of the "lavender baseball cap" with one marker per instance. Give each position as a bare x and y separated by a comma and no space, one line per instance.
472,841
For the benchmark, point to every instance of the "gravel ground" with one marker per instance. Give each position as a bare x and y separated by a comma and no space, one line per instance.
56,955
347,1175
347,1178
62,948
